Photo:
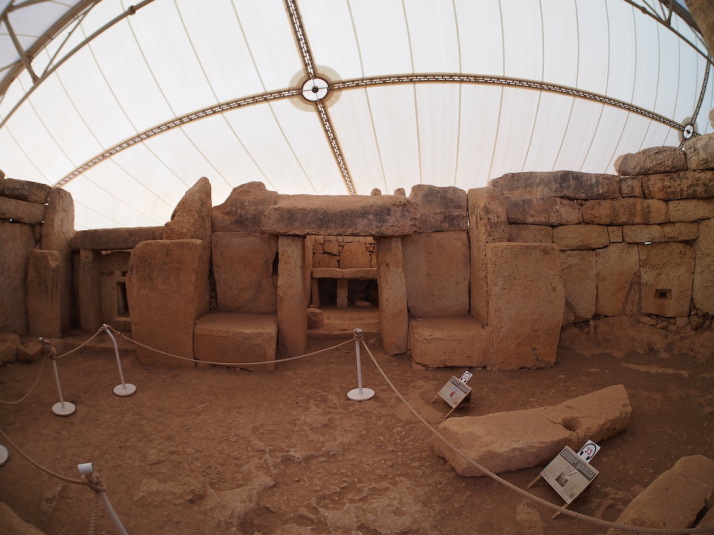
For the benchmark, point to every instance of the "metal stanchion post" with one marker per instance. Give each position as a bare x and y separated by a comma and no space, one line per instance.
62,408
124,389
87,470
359,393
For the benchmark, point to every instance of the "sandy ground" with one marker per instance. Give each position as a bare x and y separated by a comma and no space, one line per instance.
214,450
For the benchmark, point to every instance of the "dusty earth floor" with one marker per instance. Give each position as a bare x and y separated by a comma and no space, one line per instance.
213,450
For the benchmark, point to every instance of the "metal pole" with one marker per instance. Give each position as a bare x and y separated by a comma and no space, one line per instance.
63,408
87,469
123,389
359,393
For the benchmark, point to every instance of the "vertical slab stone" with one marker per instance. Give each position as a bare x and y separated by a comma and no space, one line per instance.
436,267
57,232
163,301
578,269
526,300
667,272
393,316
43,294
617,279
243,268
16,241
487,224
292,305
89,291
704,267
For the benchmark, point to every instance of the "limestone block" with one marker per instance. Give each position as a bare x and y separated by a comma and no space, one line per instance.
660,233
571,237
579,278
17,242
568,184
14,525
652,160
108,239
354,255
315,318
684,185
349,273
24,190
9,343
393,315
675,499
615,234
161,288
237,338
449,341
324,261
436,267
487,224
292,318
244,273
244,208
508,441
331,246
617,278
526,303
89,295
440,208
21,211
530,234
630,186
551,211
703,287
32,351
666,271
43,294
625,212
691,209
700,152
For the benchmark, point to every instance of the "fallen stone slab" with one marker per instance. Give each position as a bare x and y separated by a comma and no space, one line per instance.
508,441
674,500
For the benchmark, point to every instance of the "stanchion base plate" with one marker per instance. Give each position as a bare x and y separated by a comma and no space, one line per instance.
356,395
3,455
63,409
124,390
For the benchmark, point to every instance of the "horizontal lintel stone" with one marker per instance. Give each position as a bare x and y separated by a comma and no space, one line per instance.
348,273
24,190
567,184
21,211
685,185
114,239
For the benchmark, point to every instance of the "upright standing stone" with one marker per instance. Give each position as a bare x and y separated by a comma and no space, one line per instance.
667,271
17,242
393,316
704,268
292,305
43,294
617,268
580,289
89,294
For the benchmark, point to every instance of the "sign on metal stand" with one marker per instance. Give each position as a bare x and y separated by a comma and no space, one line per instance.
455,391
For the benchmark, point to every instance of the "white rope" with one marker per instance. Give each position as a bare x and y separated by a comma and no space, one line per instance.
37,380
80,346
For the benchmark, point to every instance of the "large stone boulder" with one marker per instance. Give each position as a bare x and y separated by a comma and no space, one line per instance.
440,209
700,151
508,441
393,314
244,208
567,184
652,160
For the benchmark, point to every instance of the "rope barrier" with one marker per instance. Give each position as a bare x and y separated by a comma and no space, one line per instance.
37,380
80,346
560,509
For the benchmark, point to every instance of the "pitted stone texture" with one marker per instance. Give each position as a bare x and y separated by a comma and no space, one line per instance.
436,267
449,341
666,271
691,209
567,184
579,278
14,525
508,441
440,208
551,211
700,152
342,215
161,287
355,255
530,234
703,289
524,330
673,500
292,299
574,237
626,212
24,190
43,294
652,160
21,211
393,314
9,343
17,241
659,233
675,186
244,208
243,269
617,268
107,239
631,186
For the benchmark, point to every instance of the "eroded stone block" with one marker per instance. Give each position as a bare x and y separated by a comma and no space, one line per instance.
354,255
449,341
24,190
626,212
579,276
292,301
572,237
652,160
393,315
703,287
107,239
440,208
684,185
17,242
691,209
666,271
21,211
43,294
617,275
568,184
244,208
660,233
551,211
530,234
700,152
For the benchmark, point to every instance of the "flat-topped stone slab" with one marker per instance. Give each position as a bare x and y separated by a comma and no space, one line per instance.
347,273
109,239
449,341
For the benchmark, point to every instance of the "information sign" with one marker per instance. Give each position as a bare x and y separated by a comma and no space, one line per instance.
569,474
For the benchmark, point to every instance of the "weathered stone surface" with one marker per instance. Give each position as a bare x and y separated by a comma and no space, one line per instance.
652,160
17,242
578,268
349,273
244,208
508,441
673,500
449,341
487,224
43,294
703,287
691,209
666,271
660,233
9,342
14,525
615,233
674,186
625,212
292,318
315,318
568,184
617,276
526,302
551,211
237,338
700,152
572,237
342,215
24,190
354,255
436,267
161,288
324,261
393,314
530,234
243,266
631,186
108,239
440,208
32,350
89,291
21,211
